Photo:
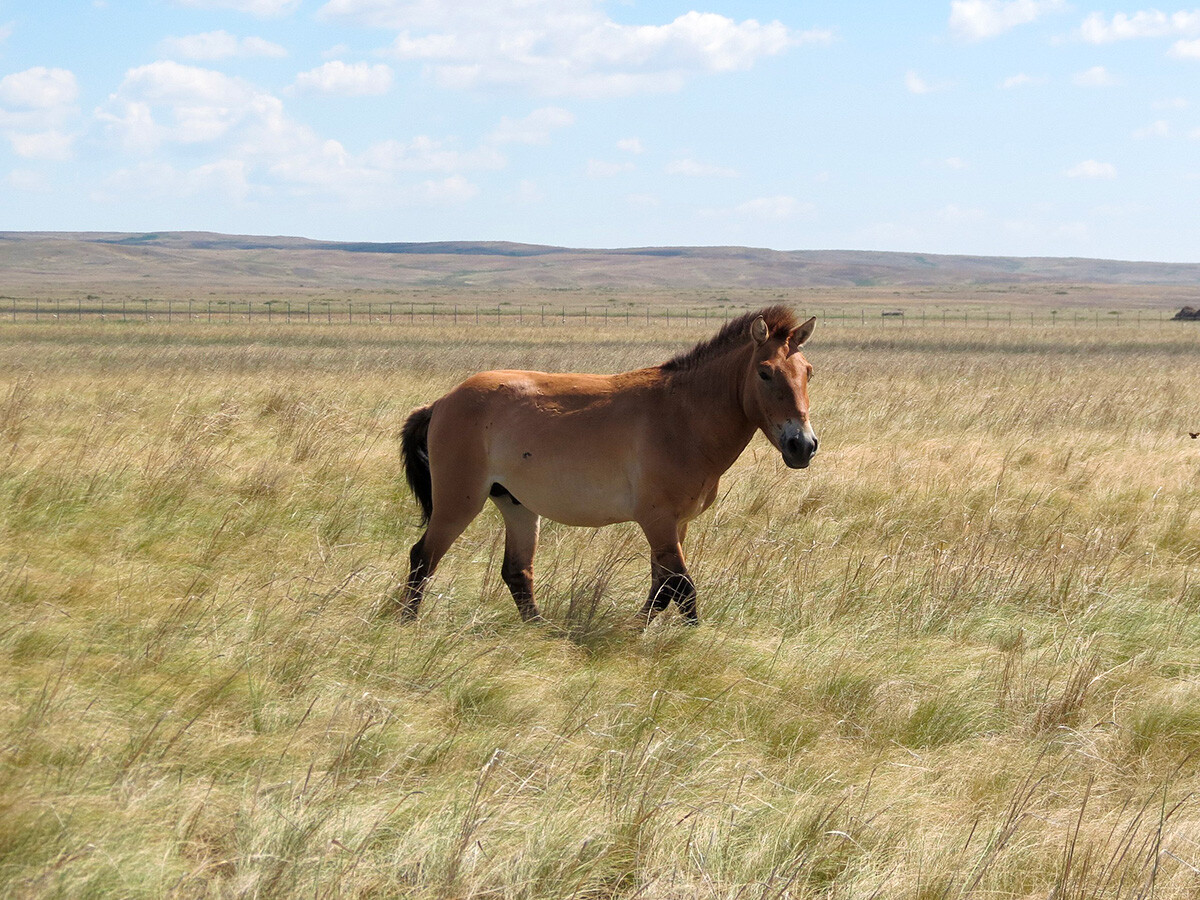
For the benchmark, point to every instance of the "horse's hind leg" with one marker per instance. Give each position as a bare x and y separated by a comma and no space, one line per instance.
445,525
669,578
520,542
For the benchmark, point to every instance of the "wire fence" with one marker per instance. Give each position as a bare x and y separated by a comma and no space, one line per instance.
340,312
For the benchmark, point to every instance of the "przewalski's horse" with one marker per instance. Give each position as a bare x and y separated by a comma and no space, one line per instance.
647,446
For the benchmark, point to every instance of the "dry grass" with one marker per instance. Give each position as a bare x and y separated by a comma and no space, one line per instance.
960,656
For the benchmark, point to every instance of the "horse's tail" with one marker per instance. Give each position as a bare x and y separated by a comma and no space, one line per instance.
414,445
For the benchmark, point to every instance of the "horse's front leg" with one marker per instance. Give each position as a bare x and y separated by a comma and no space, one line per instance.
669,578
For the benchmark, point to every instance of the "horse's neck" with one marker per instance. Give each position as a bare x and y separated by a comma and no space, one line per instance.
711,395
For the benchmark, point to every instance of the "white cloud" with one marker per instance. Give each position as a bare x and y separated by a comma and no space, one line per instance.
597,168
565,47
1090,168
36,106
1158,129
955,162
212,45
6,31
1170,103
694,169
39,88
168,102
340,79
262,8
1020,80
1096,76
260,151
534,128
53,145
977,20
1185,49
1098,29
631,145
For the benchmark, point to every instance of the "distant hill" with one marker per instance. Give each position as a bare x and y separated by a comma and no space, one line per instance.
195,261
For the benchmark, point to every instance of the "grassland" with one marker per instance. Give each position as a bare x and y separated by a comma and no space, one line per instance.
958,657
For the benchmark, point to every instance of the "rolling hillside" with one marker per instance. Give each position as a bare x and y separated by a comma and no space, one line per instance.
197,264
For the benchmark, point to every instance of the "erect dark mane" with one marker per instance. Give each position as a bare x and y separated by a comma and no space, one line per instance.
780,321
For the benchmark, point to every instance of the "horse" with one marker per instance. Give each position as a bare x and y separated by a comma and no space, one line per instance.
647,446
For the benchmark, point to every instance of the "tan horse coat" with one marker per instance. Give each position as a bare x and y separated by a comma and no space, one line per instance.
647,446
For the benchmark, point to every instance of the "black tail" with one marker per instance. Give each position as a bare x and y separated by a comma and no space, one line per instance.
414,444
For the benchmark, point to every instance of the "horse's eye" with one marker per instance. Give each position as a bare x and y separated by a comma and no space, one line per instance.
764,374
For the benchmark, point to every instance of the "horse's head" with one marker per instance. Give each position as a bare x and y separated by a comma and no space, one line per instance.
775,397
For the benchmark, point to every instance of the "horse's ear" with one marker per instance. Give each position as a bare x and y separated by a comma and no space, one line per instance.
800,335
759,330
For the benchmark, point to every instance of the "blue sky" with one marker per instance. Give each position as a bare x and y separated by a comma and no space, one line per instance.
1024,127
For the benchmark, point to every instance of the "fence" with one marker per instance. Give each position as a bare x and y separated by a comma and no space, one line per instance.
336,312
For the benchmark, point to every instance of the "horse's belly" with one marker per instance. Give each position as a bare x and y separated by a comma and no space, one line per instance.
572,498
591,486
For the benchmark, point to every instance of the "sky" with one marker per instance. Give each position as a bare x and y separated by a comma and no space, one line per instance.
995,127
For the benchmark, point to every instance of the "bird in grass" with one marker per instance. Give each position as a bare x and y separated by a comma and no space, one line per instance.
1194,434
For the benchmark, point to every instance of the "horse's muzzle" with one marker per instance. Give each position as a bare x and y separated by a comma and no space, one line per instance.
798,449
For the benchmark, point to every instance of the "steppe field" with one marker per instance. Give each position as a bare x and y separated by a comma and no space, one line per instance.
957,657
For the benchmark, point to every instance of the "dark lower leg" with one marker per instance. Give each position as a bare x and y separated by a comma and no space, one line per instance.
665,587
409,600
519,579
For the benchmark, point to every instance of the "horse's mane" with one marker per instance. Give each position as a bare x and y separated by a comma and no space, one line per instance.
780,321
